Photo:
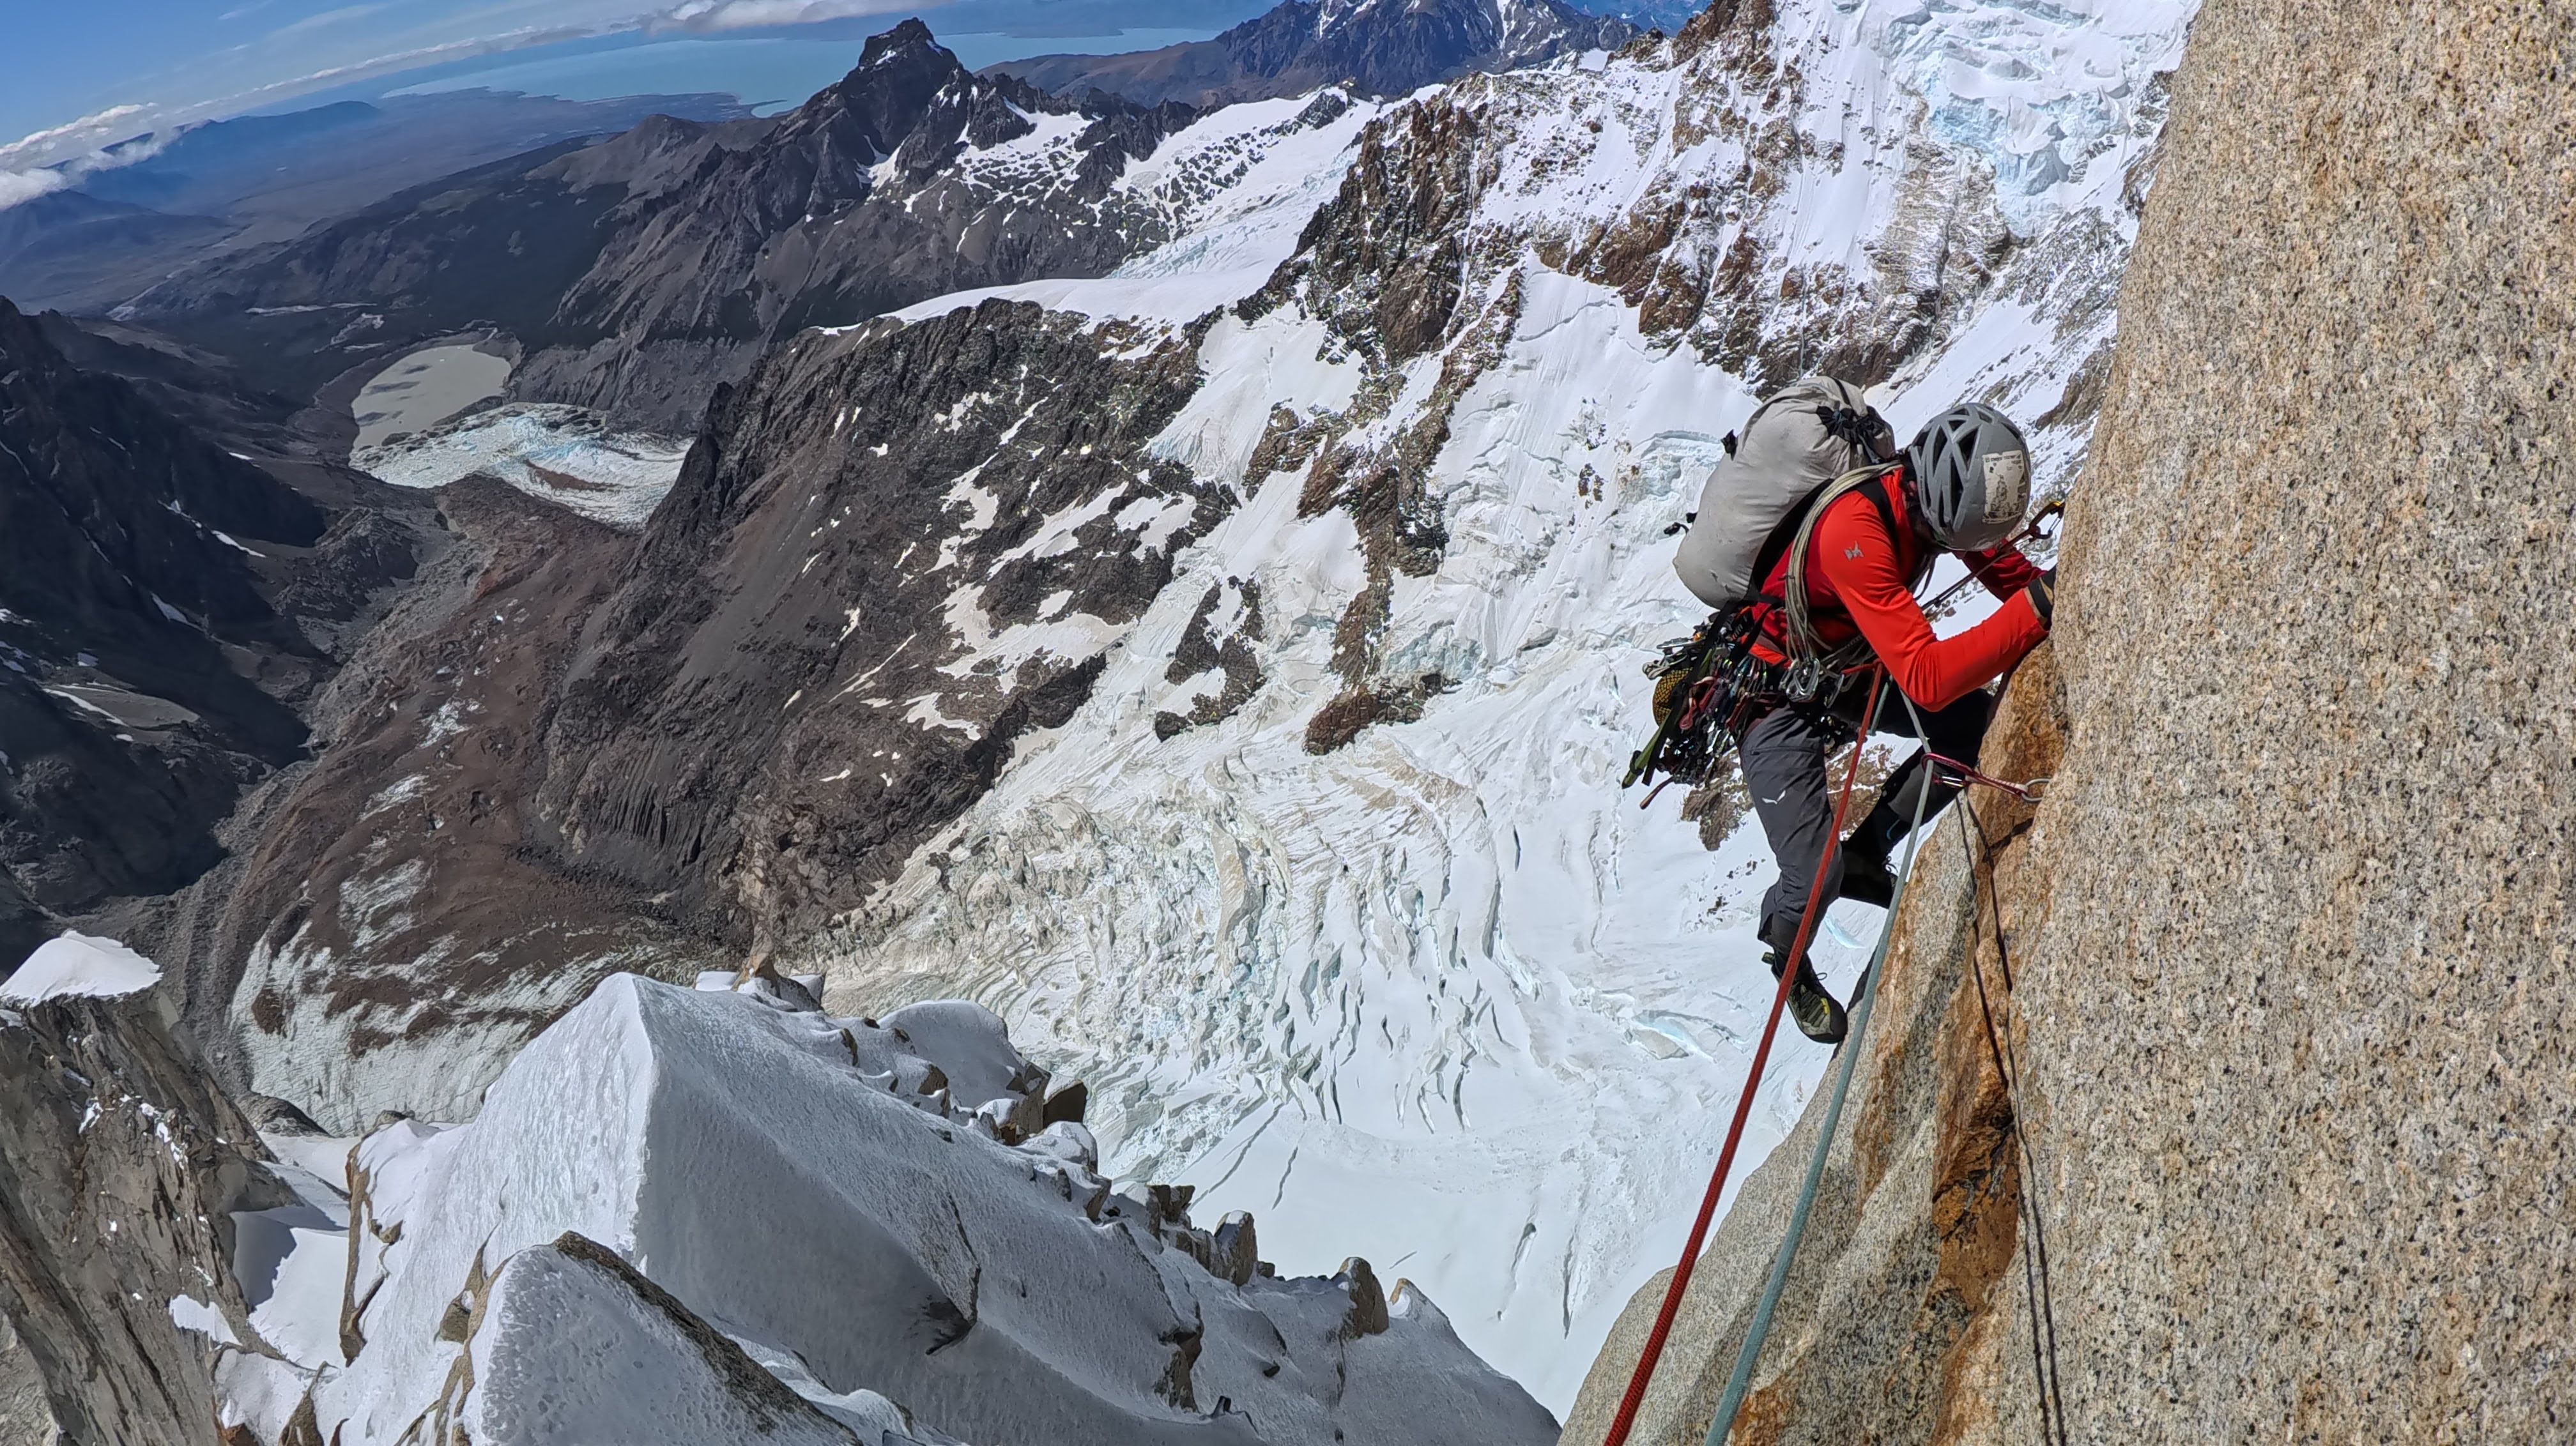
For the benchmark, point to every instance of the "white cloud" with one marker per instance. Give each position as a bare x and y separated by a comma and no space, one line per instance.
18,186
327,17
387,64
113,123
703,15
25,164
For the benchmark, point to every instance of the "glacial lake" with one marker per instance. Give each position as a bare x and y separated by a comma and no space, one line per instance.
423,388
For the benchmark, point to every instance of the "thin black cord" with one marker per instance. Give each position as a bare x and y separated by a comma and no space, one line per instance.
2043,1300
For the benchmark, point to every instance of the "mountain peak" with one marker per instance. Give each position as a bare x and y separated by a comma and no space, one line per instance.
911,37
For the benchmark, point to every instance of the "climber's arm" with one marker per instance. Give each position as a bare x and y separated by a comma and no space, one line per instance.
1855,554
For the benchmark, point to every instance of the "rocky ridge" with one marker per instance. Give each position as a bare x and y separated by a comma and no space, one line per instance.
682,1214
639,271
1380,47
123,1166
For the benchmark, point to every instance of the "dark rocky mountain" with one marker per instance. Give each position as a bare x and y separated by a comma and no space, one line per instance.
585,746
1384,47
68,248
260,179
154,590
769,742
639,271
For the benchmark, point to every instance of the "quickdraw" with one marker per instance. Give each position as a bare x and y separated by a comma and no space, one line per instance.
1703,684
1962,773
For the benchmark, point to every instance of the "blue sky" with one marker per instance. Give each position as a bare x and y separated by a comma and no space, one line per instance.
83,76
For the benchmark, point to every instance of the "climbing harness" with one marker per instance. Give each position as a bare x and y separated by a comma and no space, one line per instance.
1708,688
1626,1419
1710,685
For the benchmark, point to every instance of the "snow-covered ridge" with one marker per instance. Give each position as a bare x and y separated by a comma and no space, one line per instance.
1227,195
75,965
1441,988
720,1214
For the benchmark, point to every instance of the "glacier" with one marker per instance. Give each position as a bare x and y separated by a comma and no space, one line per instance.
1445,996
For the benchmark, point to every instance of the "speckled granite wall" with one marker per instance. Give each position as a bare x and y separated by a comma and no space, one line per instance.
2305,1077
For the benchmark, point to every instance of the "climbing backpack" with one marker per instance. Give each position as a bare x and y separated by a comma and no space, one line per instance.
1796,444
1804,447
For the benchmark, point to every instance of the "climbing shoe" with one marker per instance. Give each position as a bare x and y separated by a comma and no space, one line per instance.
1820,1016
1866,878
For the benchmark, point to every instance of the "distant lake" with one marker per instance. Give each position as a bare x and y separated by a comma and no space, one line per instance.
767,73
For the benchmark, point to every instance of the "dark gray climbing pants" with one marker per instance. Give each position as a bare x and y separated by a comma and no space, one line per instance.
1784,754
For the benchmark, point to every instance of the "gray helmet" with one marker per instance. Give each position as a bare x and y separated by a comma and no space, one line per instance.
1971,475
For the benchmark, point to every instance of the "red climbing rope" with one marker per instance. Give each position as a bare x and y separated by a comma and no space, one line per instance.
1626,1420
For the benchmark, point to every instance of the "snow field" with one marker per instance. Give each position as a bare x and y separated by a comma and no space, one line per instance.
831,1199
1235,187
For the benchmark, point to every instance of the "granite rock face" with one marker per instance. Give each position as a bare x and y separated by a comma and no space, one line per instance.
120,1167
2299,1056
2290,934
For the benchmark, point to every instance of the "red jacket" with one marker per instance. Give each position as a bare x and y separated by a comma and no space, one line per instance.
1861,581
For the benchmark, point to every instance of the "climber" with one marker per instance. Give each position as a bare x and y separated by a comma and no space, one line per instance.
1960,488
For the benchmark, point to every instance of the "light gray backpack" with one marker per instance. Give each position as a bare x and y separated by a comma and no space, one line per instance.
1798,441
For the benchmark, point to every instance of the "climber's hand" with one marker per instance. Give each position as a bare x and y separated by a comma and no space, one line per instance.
2043,597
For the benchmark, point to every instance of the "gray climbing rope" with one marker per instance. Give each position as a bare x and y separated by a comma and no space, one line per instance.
1760,1329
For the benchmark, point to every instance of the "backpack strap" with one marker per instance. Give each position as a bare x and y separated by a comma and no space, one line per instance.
1870,482
1776,546
1875,489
